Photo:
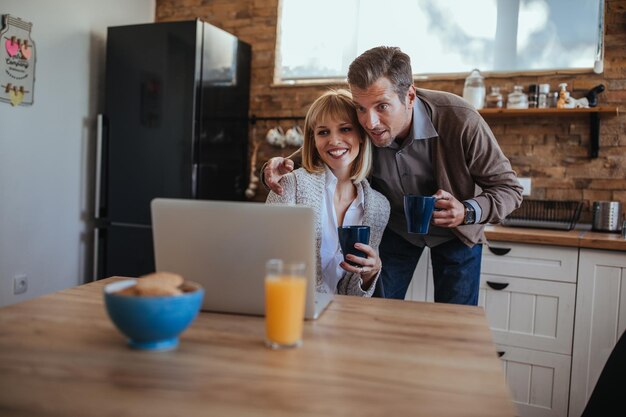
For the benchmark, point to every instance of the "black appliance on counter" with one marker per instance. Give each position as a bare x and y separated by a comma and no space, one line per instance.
175,125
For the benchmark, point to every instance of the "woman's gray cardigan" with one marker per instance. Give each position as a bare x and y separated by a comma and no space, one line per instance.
304,188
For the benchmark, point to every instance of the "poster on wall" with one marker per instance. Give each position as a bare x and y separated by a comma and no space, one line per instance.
17,61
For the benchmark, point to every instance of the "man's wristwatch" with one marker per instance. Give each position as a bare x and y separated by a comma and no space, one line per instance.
470,214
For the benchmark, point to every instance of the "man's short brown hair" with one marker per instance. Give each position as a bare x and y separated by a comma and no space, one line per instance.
383,61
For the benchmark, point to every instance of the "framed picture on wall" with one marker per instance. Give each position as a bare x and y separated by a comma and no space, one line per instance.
17,62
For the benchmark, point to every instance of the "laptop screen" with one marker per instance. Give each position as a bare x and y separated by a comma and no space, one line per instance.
224,246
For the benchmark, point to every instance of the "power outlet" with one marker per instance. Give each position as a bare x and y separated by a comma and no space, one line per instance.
526,183
20,284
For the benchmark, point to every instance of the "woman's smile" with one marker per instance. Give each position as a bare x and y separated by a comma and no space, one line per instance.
337,153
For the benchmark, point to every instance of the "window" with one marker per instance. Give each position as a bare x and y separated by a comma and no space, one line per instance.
318,40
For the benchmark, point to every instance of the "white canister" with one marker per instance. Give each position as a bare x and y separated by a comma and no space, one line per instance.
474,90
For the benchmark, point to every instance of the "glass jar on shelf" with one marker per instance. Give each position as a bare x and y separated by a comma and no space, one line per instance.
553,98
517,99
544,90
494,99
474,90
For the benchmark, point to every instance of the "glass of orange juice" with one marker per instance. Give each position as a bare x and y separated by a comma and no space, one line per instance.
285,294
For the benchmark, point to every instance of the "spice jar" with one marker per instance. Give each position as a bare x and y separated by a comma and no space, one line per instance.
553,98
494,99
474,90
517,99
533,96
544,90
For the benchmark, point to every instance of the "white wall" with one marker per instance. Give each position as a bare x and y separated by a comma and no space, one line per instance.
47,149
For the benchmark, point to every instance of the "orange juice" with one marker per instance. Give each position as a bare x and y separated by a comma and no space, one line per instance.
284,310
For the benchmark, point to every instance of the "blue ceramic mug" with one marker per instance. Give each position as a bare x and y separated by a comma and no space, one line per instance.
348,236
418,211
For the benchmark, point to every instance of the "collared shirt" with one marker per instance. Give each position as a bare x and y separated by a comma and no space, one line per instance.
330,251
407,168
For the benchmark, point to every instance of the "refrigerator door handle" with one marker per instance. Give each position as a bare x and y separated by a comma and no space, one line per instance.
98,176
194,180
96,248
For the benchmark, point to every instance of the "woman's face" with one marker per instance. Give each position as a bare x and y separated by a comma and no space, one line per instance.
337,142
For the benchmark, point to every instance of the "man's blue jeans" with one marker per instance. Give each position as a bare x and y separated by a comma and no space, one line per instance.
456,269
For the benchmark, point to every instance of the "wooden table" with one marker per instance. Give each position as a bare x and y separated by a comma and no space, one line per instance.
60,355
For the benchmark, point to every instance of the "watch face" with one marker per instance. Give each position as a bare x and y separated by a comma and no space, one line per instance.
470,214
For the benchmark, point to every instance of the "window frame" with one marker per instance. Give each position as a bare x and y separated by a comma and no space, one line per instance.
452,76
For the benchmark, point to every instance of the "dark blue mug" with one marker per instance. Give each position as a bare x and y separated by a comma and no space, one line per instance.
418,211
348,236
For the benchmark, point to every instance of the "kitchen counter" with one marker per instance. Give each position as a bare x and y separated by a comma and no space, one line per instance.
60,355
579,237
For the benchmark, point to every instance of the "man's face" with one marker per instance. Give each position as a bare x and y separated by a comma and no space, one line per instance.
381,112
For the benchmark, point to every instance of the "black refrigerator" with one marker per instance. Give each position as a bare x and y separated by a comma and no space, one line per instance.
175,125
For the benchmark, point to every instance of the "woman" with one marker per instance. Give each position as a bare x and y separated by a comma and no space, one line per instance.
336,158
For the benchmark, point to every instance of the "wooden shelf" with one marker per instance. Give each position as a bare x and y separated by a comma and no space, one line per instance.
593,112
610,110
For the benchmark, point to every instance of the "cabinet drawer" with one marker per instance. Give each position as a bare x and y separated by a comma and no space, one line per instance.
529,313
538,381
553,263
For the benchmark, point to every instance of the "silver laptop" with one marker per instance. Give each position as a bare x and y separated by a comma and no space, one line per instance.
224,246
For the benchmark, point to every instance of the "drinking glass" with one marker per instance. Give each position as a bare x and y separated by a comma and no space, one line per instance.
285,295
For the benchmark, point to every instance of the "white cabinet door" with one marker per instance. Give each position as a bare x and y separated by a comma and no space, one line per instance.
538,381
529,313
600,319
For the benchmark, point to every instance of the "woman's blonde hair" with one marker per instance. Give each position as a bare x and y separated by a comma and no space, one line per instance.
335,105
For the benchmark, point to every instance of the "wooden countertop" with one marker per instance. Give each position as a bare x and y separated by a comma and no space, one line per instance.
61,355
581,238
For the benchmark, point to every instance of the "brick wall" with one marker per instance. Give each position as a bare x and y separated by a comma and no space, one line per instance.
553,150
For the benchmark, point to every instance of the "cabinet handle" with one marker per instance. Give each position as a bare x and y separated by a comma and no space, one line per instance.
499,251
498,285
501,353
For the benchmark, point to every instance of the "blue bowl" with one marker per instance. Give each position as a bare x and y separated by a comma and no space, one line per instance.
152,323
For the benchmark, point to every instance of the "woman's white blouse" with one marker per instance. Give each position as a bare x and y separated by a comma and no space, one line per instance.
330,251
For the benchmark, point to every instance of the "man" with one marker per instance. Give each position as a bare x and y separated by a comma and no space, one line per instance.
427,143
